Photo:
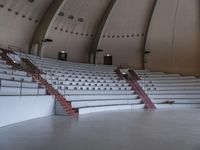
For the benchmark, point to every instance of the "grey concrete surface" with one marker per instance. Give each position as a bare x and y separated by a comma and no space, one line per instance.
130,130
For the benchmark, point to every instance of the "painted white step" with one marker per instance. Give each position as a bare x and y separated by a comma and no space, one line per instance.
100,97
82,92
79,104
87,110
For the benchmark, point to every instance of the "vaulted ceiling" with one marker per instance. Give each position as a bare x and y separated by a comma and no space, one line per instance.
19,19
73,24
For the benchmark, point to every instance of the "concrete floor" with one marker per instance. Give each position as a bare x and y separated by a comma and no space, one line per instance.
137,130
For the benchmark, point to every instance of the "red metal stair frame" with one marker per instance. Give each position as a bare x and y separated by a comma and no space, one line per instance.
7,59
50,89
137,88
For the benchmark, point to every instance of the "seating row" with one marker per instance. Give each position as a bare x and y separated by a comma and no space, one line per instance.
52,78
52,71
81,76
17,82
89,88
67,87
179,91
57,82
21,91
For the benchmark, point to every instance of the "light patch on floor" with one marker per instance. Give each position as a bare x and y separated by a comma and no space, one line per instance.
129,130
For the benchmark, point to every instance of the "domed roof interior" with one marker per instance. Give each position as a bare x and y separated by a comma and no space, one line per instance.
161,35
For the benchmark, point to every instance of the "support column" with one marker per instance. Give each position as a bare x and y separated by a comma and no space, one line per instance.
99,30
44,24
145,51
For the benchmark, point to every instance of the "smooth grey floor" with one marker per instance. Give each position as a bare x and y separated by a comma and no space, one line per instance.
136,130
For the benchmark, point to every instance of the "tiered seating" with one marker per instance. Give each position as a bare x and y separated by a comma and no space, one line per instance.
171,90
15,82
90,88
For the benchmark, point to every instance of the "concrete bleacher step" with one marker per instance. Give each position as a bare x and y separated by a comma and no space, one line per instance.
172,88
86,92
67,64
173,92
144,82
75,64
11,71
77,87
81,77
66,83
78,75
5,66
177,96
149,73
79,104
46,71
100,97
159,75
2,61
86,110
88,83
168,78
15,77
178,106
173,84
178,101
21,91
84,80
79,69
10,83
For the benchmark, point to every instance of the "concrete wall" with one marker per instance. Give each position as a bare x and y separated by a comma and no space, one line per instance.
123,35
14,109
71,35
174,37
59,109
18,21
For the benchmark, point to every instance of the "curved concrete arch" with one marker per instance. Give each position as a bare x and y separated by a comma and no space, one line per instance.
45,23
99,29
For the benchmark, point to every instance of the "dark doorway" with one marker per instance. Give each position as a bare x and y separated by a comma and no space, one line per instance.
62,55
108,60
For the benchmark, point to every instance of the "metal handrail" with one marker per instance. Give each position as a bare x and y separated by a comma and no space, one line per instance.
21,87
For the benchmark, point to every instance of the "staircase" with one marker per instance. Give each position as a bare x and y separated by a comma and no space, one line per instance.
58,96
7,59
137,88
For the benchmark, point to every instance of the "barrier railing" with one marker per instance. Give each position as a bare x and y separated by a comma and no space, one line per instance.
58,96
21,88
137,88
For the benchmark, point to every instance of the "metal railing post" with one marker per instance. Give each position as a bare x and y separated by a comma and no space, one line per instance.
21,88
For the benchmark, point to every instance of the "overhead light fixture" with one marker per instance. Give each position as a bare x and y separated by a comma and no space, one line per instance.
99,50
108,55
147,52
47,40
